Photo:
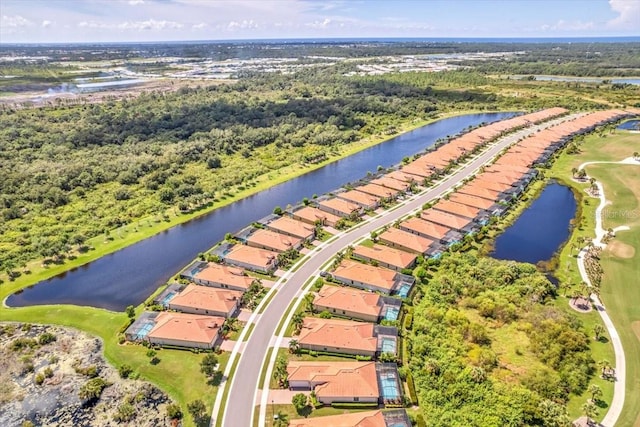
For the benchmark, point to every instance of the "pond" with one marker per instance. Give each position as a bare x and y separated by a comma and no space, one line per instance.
130,275
540,230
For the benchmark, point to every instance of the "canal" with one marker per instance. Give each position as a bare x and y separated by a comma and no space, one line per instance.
540,230
130,275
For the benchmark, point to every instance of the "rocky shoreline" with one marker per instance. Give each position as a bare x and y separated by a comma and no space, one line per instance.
55,376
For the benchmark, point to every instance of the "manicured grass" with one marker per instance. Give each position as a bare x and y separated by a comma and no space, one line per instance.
268,300
248,334
178,372
225,393
618,291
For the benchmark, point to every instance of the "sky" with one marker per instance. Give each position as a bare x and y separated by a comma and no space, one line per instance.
72,21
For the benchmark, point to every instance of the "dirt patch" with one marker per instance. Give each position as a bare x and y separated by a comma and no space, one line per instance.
43,369
582,305
621,250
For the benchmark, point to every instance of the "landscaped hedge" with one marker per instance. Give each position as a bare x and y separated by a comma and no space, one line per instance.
354,405
412,389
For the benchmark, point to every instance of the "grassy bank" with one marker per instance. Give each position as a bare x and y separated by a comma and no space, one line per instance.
620,260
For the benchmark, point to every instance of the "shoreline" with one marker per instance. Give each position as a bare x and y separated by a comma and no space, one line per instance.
39,274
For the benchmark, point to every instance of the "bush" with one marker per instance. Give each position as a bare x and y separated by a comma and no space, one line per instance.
92,389
125,371
46,338
412,389
125,413
39,379
174,411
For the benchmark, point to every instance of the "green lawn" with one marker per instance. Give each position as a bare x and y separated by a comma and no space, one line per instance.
620,292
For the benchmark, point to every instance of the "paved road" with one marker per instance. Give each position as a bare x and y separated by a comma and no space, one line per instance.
240,401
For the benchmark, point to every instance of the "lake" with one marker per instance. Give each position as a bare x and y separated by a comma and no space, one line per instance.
130,275
540,230
630,125
622,80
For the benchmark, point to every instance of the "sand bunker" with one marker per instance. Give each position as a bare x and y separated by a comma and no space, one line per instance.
621,250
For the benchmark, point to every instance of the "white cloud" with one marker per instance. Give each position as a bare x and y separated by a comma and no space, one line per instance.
136,2
199,26
628,14
319,24
243,25
15,21
150,24
46,24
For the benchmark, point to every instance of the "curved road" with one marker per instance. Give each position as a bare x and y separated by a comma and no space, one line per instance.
240,401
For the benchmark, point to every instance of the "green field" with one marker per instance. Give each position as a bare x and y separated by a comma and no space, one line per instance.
620,291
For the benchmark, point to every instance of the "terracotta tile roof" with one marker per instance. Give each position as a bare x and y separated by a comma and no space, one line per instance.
458,209
379,277
407,240
224,274
252,256
357,419
479,191
206,298
481,182
340,380
291,226
359,197
404,176
377,190
385,254
274,240
469,200
349,299
394,184
186,327
340,205
343,334
427,228
503,166
312,214
448,220
419,170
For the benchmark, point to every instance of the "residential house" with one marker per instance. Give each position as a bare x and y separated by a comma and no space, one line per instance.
341,208
369,277
347,337
197,299
312,215
255,259
217,275
356,304
385,256
274,241
176,329
406,241
366,201
291,227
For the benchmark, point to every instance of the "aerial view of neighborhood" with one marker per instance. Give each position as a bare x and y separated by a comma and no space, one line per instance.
320,213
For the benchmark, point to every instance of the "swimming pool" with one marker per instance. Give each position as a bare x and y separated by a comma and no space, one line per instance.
389,386
392,313
403,290
388,345
167,298
144,330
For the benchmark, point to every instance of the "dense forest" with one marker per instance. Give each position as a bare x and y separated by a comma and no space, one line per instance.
489,348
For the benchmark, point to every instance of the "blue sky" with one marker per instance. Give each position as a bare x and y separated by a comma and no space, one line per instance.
40,21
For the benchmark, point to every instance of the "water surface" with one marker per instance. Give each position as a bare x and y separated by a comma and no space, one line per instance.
540,230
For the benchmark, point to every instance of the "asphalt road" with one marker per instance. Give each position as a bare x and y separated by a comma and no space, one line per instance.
240,405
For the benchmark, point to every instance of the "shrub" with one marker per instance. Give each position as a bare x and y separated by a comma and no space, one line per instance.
39,379
92,389
46,338
125,413
125,371
174,411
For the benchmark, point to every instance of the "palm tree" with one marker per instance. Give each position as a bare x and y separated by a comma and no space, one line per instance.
598,331
590,410
605,367
280,419
308,302
298,321
294,346
636,155
595,392
574,171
